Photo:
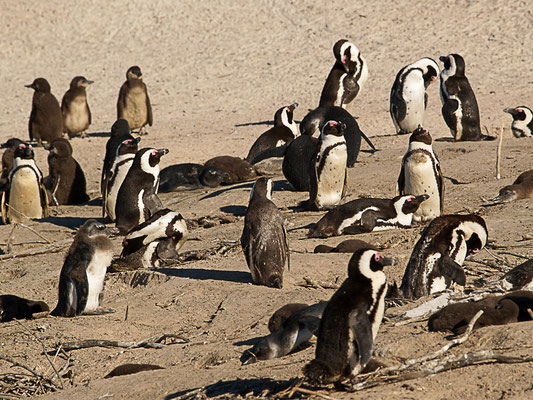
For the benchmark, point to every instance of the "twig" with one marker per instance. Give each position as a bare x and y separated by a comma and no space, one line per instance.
495,256
312,392
54,248
499,154
17,364
214,315
513,254
308,282
153,342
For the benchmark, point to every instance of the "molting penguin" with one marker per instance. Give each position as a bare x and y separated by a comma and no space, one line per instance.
459,105
8,158
120,131
368,215
237,169
190,176
346,78
437,258
328,175
284,131
522,188
46,120
133,102
76,112
264,239
420,174
522,125
351,321
408,97
14,307
137,195
66,181
82,276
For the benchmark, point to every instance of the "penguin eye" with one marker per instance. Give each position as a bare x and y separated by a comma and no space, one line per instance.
378,257
332,123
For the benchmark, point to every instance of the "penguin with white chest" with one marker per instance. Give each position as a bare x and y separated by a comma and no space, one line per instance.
120,131
522,125
351,321
408,97
437,258
328,174
420,174
82,276
74,107
137,198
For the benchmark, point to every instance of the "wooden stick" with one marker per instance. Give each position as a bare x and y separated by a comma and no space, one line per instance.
153,342
53,248
311,392
499,154
308,282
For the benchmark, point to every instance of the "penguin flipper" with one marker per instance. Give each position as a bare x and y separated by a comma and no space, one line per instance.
367,140
366,224
313,180
451,269
278,151
68,299
152,203
448,113
286,245
44,200
398,107
361,330
149,116
121,101
400,187
3,205
440,185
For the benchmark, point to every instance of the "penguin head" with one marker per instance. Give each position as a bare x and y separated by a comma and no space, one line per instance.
334,128
129,145
134,73
154,156
368,263
347,55
262,189
408,204
430,70
24,151
506,195
421,135
120,127
12,143
93,228
475,233
40,85
213,177
60,147
454,64
284,116
518,113
79,81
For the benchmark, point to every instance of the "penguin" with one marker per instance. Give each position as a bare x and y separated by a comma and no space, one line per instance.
368,215
282,314
137,197
522,125
408,97
522,188
328,175
237,169
346,78
459,105
284,131
15,307
46,120
82,276
133,102
66,181
190,176
26,195
74,107
520,277
437,258
420,174
264,238
350,321
296,330
8,158
125,154
120,131
296,159
347,246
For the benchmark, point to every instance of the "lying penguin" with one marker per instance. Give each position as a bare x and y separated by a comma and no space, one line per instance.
15,307
190,176
522,188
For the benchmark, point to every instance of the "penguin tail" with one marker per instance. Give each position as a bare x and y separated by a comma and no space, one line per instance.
367,140
319,373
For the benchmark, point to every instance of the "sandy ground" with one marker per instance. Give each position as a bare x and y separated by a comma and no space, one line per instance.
216,72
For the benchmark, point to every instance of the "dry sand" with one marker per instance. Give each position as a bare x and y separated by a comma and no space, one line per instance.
216,73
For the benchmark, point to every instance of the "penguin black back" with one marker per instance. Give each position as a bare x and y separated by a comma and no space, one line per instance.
15,307
46,120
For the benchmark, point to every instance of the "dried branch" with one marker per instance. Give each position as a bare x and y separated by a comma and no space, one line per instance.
49,249
308,282
499,154
153,342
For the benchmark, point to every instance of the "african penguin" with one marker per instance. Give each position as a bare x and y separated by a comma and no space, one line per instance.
347,246
120,131
235,168
137,197
368,215
82,276
8,158
190,176
437,258
15,307
264,239
408,97
420,174
522,188
350,321
46,120
74,107
346,78
328,175
520,277
522,125
133,102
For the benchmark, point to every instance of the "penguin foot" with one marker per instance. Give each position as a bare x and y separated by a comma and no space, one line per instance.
318,372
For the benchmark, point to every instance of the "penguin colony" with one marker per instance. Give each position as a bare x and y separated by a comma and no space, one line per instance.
347,324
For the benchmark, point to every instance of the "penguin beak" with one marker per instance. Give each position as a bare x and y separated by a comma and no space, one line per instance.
88,82
421,198
293,106
137,139
443,58
388,261
511,111
162,152
29,86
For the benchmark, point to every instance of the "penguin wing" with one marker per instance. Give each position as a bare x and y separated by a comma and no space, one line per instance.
451,269
400,187
448,112
440,184
351,89
286,245
398,108
345,185
248,250
44,200
361,335
425,100
148,108
313,176
3,204
121,100
89,113
152,203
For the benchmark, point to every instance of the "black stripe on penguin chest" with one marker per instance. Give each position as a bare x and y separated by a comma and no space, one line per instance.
327,157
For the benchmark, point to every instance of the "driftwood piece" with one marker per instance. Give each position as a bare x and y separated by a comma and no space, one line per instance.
48,249
153,342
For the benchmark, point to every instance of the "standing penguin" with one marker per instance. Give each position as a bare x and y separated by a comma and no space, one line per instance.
327,171
408,97
66,180
264,239
522,125
346,78
437,258
120,131
420,174
133,102
284,131
459,104
351,321
8,158
76,112
46,120
137,197
82,276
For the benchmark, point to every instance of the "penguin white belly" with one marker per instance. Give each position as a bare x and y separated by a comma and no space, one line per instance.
380,309
414,115
331,178
438,285
520,129
135,110
24,196
353,220
420,179
340,92
140,206
428,267
120,169
458,134
77,118
95,278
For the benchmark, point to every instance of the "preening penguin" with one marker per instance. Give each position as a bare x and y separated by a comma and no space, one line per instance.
408,97
437,258
351,321
82,276
522,125
346,78
420,174
46,120
74,107
133,102
522,188
264,239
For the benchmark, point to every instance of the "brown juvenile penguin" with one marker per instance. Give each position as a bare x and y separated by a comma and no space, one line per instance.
46,120
522,188
76,112
282,314
14,307
133,102
238,170
348,246
8,157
